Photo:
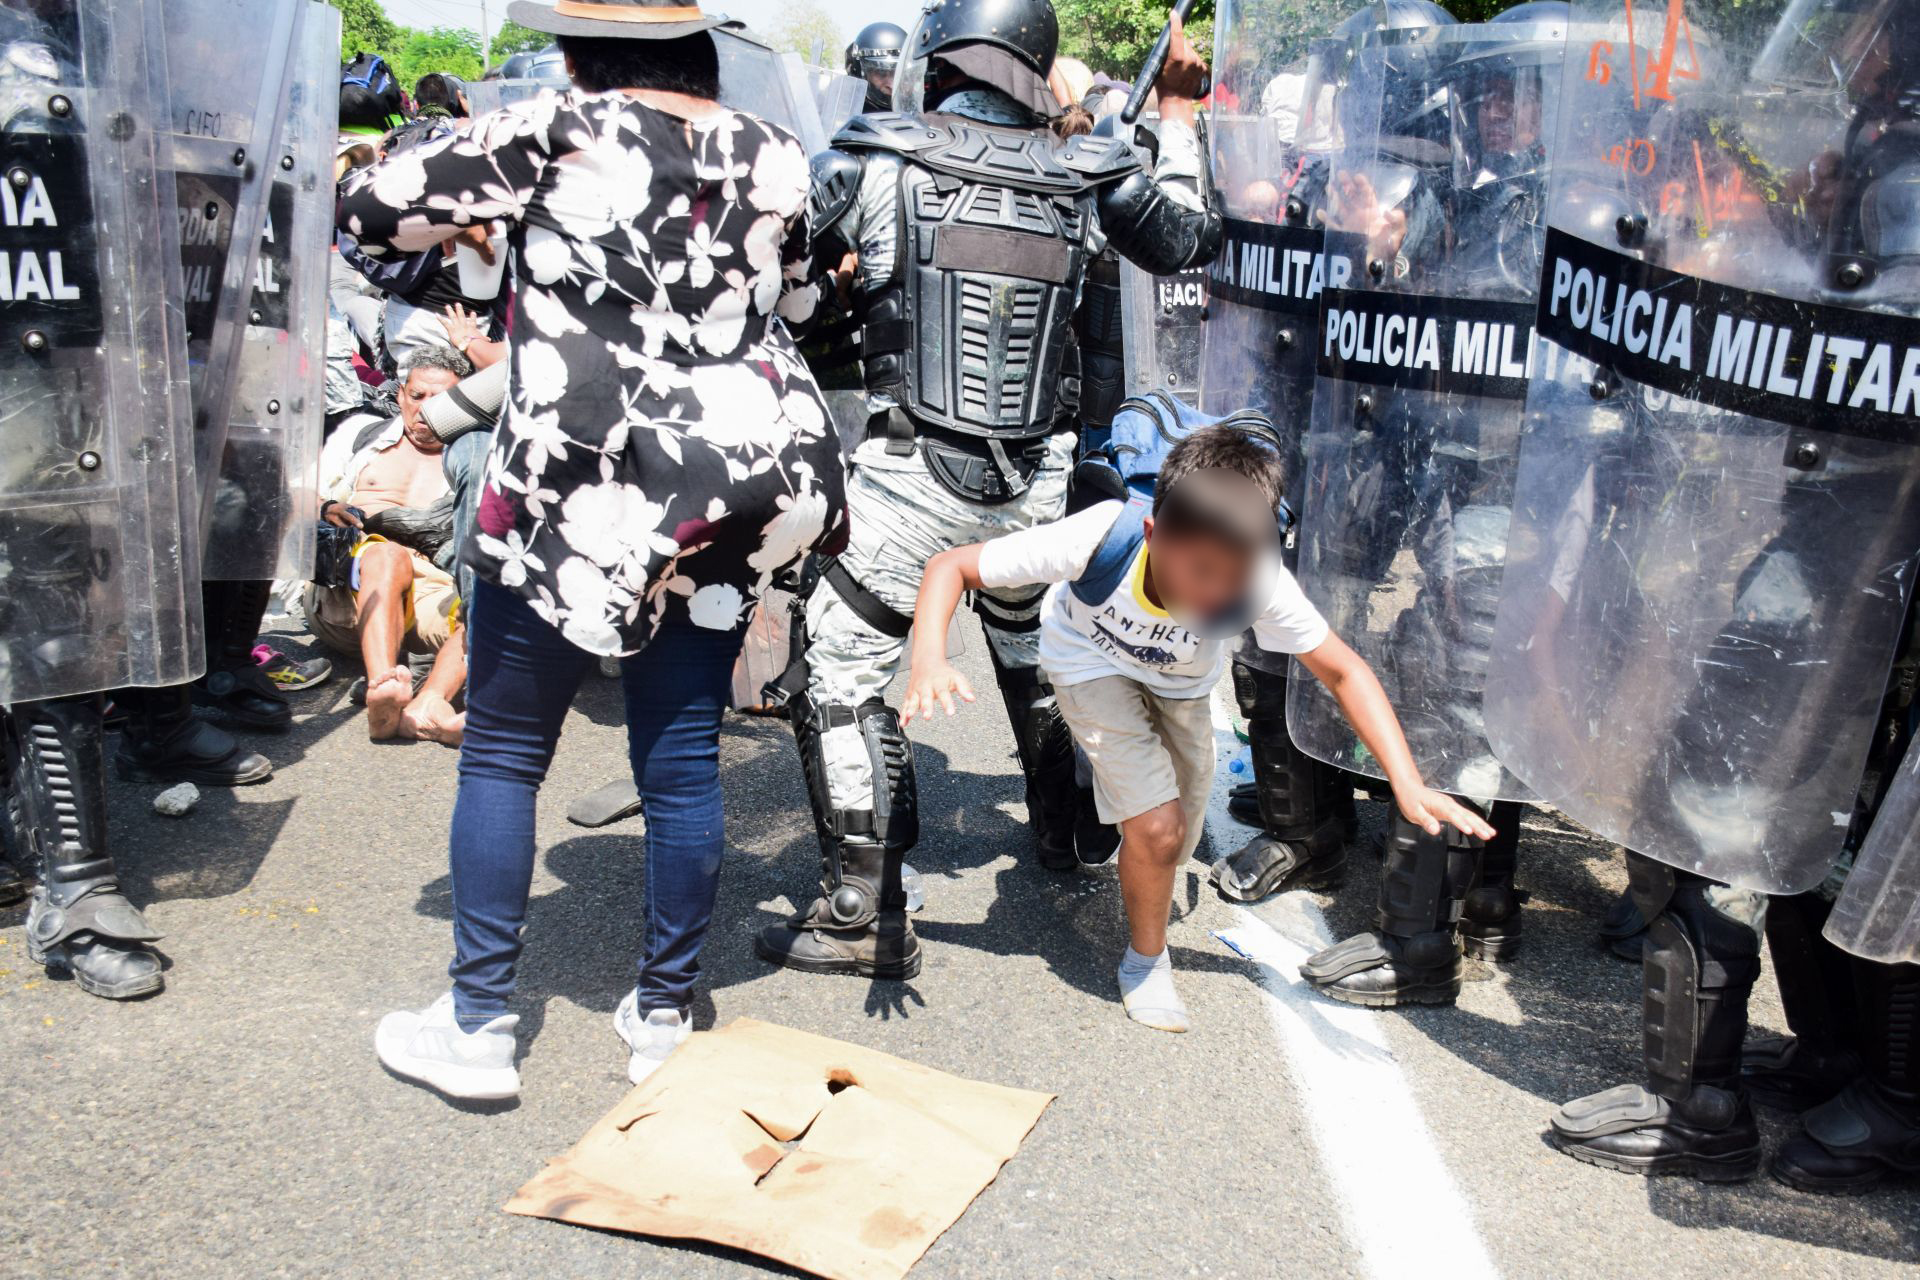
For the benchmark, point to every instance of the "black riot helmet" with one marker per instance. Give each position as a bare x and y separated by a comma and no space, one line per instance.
1006,45
874,56
1381,21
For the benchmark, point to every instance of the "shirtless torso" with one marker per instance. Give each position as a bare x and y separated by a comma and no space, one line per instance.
400,475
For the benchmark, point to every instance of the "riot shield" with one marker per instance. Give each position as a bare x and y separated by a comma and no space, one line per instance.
1877,914
99,563
265,499
806,110
1422,363
1263,290
223,117
1714,520
754,79
485,96
1160,330
837,97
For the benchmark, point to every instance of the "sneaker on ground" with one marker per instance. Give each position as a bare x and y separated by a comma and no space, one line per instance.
650,1039
429,1046
290,673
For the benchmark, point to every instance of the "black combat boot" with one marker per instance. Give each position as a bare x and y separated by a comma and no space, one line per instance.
235,686
1304,808
1799,1072
79,922
1414,957
1045,748
1870,1131
165,742
858,924
1692,1117
1491,919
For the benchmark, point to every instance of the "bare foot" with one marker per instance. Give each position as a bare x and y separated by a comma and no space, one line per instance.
387,699
431,718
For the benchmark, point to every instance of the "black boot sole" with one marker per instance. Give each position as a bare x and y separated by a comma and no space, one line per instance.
131,771
1421,993
1497,949
896,971
132,989
1788,1174
1301,878
1736,1168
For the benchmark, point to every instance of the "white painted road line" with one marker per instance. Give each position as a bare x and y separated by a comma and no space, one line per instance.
1404,1214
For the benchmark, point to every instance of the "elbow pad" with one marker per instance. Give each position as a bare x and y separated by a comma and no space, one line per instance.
836,185
1153,231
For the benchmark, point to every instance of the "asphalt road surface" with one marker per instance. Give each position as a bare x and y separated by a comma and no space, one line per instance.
239,1124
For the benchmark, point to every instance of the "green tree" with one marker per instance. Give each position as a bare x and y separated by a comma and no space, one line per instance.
1114,36
451,49
805,27
513,38
364,25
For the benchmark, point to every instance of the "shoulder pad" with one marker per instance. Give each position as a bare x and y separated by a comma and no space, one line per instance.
1031,160
888,131
1099,159
836,184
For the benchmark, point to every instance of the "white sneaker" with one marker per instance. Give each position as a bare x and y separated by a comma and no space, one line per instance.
430,1047
649,1040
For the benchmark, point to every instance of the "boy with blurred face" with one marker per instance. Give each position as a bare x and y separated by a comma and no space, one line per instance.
1131,637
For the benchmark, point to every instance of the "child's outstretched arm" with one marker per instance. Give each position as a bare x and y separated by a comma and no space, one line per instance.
932,679
1353,684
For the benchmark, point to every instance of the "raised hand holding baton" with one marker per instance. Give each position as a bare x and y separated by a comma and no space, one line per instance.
1156,59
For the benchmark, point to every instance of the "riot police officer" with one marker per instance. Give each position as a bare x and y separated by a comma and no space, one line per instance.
874,56
966,209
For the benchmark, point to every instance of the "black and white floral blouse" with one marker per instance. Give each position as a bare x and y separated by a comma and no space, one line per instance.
664,450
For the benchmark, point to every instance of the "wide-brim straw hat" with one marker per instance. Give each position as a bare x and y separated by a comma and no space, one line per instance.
615,19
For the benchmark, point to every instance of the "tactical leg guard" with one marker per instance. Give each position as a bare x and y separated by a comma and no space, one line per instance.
1692,1117
165,742
1303,807
858,924
1045,748
236,686
15,847
1800,1071
1490,919
1414,957
1870,1131
78,922
1623,930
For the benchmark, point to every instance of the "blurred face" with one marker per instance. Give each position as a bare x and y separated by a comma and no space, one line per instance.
421,386
1196,575
1508,123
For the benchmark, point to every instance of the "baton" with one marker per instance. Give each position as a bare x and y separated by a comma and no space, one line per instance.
1150,70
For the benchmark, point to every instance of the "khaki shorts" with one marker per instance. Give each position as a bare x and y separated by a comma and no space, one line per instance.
1145,749
333,613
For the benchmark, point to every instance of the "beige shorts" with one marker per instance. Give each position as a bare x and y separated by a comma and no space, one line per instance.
1145,749
333,613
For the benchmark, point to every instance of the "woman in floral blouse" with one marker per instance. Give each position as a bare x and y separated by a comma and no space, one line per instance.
663,454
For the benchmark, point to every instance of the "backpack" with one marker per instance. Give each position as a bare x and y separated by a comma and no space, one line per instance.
1146,427
370,72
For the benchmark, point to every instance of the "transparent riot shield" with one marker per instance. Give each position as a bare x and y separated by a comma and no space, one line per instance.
1422,363
806,110
99,559
1718,500
266,493
837,97
485,96
224,118
1877,914
1160,330
753,79
1263,290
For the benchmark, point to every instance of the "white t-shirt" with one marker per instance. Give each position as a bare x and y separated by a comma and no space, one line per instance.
1126,634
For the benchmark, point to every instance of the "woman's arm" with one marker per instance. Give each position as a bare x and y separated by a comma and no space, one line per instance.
418,197
1352,683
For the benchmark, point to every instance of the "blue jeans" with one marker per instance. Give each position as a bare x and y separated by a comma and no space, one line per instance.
522,675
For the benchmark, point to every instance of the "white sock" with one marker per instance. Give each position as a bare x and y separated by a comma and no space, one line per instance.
1147,992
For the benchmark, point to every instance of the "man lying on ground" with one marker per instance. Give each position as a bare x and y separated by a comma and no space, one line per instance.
400,597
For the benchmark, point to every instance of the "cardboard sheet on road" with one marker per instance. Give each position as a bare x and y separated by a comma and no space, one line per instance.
817,1153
